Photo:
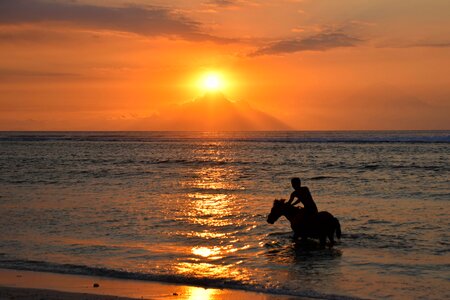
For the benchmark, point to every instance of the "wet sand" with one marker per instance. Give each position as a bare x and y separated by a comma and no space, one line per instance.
17,284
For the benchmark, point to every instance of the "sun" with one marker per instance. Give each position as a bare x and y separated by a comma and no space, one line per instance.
212,82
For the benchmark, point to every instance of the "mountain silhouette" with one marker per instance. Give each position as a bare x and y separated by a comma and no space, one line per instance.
212,112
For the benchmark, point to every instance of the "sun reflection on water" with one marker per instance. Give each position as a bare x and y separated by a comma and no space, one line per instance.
211,209
207,235
216,252
212,270
215,178
196,293
206,252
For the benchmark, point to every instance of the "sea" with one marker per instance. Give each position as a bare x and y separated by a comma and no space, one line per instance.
191,208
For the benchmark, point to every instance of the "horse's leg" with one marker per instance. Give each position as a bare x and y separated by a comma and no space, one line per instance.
331,238
323,240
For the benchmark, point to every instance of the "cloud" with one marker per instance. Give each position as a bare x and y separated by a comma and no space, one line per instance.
9,74
30,33
229,4
142,20
318,42
433,45
223,3
411,44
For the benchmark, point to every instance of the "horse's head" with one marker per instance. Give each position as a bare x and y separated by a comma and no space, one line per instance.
277,211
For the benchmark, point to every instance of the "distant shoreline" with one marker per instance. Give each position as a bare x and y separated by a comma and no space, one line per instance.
338,136
233,131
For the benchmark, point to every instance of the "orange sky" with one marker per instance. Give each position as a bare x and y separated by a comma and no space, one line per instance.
310,64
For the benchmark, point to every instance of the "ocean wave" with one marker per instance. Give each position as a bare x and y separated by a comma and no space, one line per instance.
41,266
322,177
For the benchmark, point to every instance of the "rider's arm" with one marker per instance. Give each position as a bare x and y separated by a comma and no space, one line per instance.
291,198
296,201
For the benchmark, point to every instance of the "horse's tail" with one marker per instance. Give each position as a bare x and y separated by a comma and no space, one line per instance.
338,228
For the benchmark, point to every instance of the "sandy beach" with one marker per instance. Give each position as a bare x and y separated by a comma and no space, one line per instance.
18,284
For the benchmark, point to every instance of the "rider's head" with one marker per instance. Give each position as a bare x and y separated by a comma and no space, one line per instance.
296,183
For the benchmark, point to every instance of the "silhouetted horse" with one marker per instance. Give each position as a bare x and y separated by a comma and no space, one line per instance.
321,226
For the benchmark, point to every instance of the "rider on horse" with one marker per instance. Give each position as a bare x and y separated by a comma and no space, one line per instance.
306,222
304,196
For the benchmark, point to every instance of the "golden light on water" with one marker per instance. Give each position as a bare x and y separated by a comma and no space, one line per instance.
196,293
215,252
207,234
211,209
211,270
214,178
205,251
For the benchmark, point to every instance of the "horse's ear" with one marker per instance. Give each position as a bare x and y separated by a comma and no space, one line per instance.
278,201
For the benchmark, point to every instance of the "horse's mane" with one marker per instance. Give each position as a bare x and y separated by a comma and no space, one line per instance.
296,209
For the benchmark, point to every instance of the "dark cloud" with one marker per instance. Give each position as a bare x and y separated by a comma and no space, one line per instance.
11,74
433,45
24,34
318,42
20,73
406,44
222,3
143,20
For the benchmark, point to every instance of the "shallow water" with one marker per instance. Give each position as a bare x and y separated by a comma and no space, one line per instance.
192,208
